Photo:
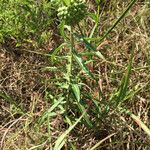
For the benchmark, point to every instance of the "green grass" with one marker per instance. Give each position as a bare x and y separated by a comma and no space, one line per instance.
84,86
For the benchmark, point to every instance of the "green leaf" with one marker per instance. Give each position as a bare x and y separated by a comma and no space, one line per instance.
49,111
10,100
93,16
97,1
136,119
49,68
117,21
61,28
125,82
89,46
76,91
86,116
57,50
61,140
81,63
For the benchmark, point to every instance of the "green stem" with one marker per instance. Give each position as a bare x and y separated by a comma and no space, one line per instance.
71,52
70,65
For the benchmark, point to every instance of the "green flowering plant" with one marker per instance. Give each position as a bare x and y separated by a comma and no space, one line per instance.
72,11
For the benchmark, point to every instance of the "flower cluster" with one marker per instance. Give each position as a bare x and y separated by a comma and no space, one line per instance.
73,13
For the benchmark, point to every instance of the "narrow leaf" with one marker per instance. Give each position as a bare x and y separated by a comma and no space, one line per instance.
95,147
86,116
61,28
49,111
67,2
81,63
89,46
136,119
118,20
60,141
125,82
57,50
76,91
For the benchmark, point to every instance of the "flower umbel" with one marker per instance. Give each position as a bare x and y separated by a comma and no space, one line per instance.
73,13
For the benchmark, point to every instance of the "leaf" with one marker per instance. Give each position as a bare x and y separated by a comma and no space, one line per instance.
95,147
125,82
136,119
93,16
49,68
89,46
61,28
117,21
49,111
61,140
57,50
10,100
76,91
86,116
97,1
140,123
81,63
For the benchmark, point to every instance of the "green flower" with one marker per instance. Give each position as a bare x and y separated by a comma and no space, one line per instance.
73,13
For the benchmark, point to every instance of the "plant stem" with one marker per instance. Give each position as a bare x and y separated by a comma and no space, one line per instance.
71,52
70,64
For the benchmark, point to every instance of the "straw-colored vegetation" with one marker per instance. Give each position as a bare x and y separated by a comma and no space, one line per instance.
74,74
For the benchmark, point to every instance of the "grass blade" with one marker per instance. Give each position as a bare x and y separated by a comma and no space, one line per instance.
100,142
124,83
10,100
49,111
62,28
119,19
86,116
136,119
60,141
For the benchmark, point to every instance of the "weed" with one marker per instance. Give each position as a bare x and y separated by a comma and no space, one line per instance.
91,91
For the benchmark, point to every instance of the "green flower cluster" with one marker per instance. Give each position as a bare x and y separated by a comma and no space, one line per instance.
73,13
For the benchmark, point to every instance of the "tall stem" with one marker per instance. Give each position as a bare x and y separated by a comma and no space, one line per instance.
70,64
71,50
